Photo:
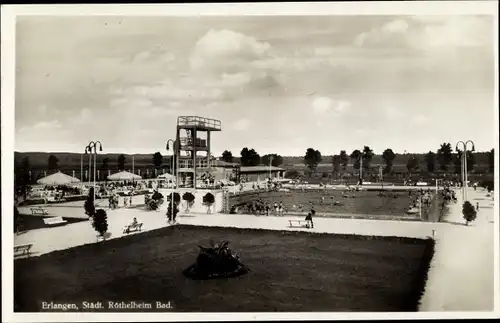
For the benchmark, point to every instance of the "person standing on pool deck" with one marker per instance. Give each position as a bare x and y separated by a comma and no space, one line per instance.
309,218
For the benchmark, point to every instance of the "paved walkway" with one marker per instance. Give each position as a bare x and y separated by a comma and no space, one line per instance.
461,275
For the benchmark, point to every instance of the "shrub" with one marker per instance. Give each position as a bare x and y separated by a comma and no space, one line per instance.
189,198
208,201
89,203
469,212
169,212
177,197
488,184
100,222
157,196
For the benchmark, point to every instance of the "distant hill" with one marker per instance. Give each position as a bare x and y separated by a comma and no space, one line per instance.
72,161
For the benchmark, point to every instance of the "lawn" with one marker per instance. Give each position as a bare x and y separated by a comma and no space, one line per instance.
290,271
33,222
363,202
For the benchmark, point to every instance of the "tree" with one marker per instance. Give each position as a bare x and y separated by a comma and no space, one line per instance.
469,212
53,162
367,157
249,157
344,159
25,169
172,215
388,156
444,156
471,161
100,222
412,164
189,198
457,162
121,162
227,156
312,159
157,159
491,160
430,160
293,174
105,164
208,201
336,162
89,204
355,156
276,160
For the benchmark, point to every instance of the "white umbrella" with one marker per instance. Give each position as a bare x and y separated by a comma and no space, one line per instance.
124,176
58,179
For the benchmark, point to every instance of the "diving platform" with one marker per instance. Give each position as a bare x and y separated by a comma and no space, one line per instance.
198,123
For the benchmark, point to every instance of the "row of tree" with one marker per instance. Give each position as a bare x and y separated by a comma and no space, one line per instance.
442,160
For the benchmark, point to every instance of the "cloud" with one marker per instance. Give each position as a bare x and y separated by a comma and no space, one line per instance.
388,33
393,113
222,47
430,33
420,120
241,124
324,104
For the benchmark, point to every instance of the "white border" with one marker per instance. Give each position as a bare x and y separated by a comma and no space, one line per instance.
9,14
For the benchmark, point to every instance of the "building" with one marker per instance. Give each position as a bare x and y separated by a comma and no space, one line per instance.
260,173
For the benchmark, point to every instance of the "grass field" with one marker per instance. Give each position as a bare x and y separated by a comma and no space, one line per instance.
363,202
33,222
290,271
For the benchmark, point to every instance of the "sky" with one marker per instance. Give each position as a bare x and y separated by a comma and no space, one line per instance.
278,84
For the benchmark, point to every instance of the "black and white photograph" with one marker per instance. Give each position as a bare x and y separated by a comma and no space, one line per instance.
285,161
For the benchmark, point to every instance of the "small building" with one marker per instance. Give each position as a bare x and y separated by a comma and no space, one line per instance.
260,173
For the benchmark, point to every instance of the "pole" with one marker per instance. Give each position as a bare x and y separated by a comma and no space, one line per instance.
463,177
90,163
465,174
95,162
361,169
81,168
420,208
172,195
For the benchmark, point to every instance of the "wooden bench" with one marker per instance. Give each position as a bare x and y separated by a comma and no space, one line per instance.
39,210
299,223
54,220
23,250
132,228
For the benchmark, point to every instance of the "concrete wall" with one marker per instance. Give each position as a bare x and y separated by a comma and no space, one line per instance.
198,206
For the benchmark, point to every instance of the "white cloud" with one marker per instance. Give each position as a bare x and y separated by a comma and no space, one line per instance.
396,26
420,119
219,46
324,104
383,35
242,124
393,113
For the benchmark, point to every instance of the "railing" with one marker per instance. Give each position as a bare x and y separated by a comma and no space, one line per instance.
199,121
188,142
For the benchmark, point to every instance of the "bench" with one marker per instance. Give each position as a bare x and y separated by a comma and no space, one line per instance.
132,228
299,223
39,210
54,220
22,250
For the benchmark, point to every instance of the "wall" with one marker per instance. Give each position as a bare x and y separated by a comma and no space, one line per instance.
198,206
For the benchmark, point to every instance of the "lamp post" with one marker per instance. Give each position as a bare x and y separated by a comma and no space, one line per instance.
464,165
270,164
93,146
172,170
88,150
